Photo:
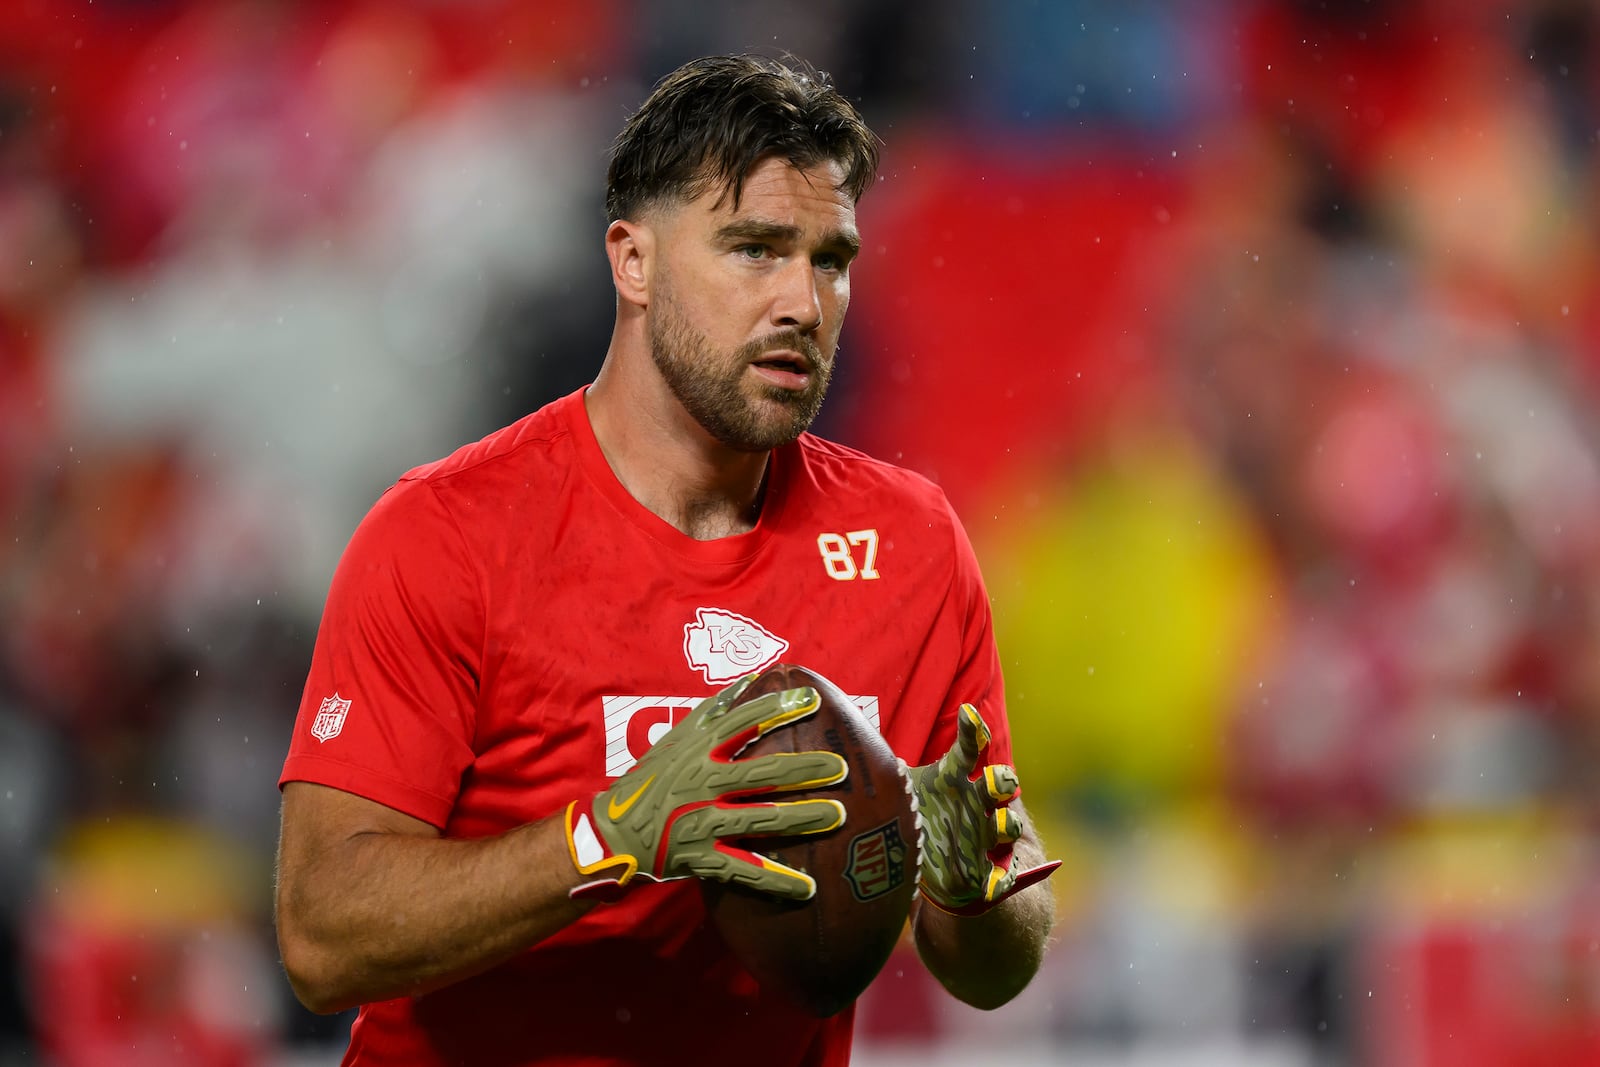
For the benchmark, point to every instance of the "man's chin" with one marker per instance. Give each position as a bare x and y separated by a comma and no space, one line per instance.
788,413
765,434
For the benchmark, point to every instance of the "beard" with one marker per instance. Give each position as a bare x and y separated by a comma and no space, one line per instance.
712,387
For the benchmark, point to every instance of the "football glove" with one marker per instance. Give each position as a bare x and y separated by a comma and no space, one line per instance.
673,814
968,827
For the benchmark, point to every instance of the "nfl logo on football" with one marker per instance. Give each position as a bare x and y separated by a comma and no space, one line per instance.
330,718
877,862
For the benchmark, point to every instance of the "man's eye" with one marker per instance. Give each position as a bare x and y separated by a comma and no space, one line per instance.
828,261
753,251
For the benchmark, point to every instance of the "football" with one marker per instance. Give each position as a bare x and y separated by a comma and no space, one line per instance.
822,953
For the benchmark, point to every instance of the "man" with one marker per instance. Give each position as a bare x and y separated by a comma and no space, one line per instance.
510,629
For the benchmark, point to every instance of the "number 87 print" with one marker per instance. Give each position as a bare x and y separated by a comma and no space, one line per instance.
838,554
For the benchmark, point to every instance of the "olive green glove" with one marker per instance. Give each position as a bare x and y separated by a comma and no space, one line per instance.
968,827
671,815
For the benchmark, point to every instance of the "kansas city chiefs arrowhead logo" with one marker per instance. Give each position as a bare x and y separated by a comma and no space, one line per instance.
724,645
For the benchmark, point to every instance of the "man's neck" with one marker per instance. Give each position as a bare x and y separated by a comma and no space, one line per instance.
707,519
671,466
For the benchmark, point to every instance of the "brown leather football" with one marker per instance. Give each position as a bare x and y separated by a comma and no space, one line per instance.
822,953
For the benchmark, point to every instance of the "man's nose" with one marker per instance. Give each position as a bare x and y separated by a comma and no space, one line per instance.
798,303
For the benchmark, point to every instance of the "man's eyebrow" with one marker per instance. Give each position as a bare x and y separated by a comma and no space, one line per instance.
847,239
758,230
765,230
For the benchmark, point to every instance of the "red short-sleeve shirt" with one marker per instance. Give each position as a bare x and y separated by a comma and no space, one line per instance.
509,629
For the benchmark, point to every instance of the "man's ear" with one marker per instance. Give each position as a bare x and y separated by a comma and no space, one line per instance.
631,248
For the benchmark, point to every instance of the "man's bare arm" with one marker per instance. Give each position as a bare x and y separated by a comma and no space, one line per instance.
372,904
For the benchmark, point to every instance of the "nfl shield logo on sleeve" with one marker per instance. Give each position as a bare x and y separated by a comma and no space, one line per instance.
330,718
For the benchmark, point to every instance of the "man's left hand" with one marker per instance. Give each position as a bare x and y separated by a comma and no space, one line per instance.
968,826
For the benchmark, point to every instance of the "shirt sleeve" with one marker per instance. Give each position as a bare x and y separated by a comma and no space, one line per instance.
389,706
977,678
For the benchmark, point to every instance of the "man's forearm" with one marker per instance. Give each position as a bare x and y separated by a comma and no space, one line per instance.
384,915
986,960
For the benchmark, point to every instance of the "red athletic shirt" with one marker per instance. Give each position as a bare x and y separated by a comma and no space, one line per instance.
508,629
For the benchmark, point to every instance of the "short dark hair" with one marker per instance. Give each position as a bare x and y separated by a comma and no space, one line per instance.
708,124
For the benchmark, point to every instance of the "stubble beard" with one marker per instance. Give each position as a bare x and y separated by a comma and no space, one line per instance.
712,387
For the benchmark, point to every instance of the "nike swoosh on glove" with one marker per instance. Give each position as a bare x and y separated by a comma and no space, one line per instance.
678,811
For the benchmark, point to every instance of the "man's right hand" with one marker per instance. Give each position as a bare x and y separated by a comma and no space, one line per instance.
676,813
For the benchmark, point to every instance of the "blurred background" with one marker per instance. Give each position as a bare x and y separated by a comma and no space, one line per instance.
1255,340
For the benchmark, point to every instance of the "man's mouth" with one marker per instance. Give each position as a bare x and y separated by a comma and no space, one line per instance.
788,370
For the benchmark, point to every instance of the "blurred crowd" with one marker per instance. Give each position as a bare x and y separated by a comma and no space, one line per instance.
1257,342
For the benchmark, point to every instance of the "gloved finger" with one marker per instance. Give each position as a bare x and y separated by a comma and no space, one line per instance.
975,728
997,886
1003,881
972,737
738,726
1000,783
1006,880
776,772
737,866
719,702
779,819
1020,880
1005,827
